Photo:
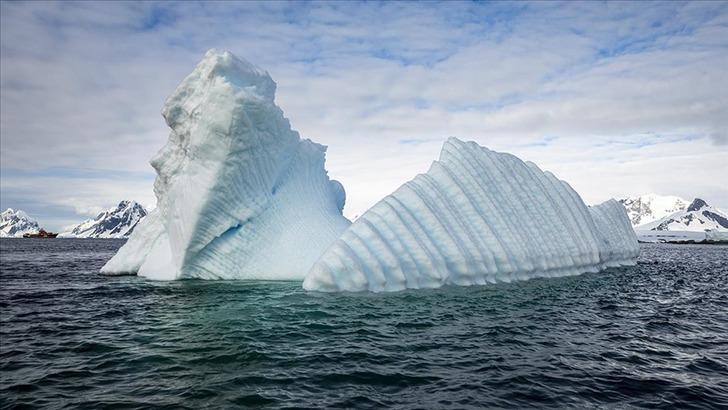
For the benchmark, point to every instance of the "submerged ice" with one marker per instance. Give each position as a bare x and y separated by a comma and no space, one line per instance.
475,217
239,194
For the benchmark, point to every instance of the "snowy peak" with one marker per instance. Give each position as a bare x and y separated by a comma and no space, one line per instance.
117,222
697,205
649,208
697,217
13,224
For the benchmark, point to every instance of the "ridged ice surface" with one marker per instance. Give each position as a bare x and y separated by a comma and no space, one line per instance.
475,217
239,194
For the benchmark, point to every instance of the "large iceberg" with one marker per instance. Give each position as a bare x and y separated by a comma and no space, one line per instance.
239,194
476,217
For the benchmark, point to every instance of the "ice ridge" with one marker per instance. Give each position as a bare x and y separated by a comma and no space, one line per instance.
476,217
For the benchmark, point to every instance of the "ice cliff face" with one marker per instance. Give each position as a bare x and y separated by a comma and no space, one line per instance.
475,217
13,224
117,222
239,194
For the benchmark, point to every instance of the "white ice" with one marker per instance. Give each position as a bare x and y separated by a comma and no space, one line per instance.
239,194
475,217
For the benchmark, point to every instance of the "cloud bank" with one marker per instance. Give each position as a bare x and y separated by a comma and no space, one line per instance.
616,98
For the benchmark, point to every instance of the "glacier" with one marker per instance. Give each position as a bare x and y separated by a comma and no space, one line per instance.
475,217
239,194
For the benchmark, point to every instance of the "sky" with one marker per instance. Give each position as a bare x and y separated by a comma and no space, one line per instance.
618,99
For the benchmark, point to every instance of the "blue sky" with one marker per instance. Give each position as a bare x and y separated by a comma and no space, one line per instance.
616,98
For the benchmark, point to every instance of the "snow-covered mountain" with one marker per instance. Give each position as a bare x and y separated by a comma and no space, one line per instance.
118,222
649,208
697,217
13,224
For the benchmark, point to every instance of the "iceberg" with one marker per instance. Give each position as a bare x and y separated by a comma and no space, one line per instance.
476,217
239,194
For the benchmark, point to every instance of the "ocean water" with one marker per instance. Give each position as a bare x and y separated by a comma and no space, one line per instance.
652,336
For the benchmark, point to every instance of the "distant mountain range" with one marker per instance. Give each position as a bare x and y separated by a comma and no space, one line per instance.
649,208
13,224
671,213
646,212
117,222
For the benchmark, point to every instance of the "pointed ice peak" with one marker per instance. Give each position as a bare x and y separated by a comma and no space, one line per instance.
219,83
696,205
224,59
455,148
239,72
222,66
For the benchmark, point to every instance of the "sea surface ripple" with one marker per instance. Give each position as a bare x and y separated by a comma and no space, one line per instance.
650,336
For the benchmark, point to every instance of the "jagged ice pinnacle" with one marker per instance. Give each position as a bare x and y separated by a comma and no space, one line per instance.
239,194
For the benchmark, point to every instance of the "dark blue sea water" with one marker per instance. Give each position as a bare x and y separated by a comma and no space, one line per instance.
652,336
